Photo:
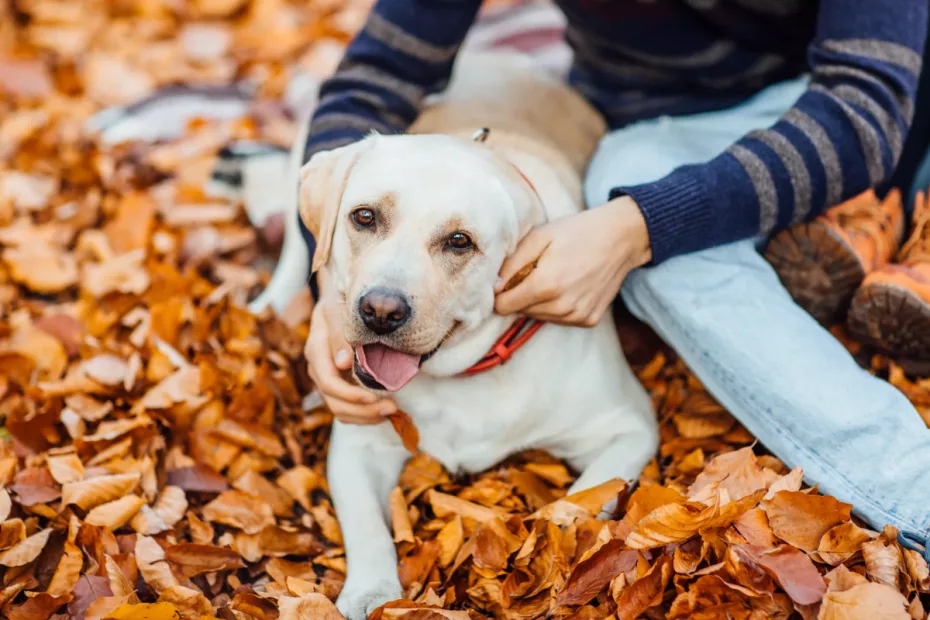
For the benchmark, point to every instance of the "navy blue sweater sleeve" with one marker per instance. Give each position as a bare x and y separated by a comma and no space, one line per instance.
404,52
843,136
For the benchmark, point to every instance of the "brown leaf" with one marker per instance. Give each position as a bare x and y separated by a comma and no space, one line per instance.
190,603
198,478
152,564
171,505
753,525
450,538
400,518
841,542
256,484
307,607
851,597
883,563
66,468
105,369
583,504
789,482
801,519
248,513
35,485
6,505
88,589
119,583
145,611
194,559
115,514
592,575
646,591
406,430
490,551
39,607
68,571
445,505
793,570
12,532
26,551
92,492
147,522
299,482
414,568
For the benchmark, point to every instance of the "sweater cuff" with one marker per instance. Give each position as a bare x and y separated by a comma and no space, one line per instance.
678,214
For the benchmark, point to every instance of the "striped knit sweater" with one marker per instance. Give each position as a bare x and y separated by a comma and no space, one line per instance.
638,59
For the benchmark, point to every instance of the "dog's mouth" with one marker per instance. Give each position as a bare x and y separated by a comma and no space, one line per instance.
380,367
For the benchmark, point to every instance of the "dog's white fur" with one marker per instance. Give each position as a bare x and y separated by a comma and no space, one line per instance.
569,391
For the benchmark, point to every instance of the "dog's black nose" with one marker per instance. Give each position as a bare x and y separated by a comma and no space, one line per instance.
383,311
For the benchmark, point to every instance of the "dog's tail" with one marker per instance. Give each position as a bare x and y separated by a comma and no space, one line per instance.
290,274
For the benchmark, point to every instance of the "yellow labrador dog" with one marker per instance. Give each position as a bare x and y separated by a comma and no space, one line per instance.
412,231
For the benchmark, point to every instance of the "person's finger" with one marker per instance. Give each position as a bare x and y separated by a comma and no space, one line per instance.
520,264
547,310
327,376
538,288
339,348
351,413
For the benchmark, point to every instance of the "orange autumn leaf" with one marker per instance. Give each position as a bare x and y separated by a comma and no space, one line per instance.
646,591
793,570
593,574
92,492
841,542
193,559
249,513
801,519
115,514
25,551
406,430
400,518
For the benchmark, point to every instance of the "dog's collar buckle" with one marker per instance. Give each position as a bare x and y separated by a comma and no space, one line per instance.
515,337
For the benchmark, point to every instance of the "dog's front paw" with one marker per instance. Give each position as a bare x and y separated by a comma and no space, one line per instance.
358,600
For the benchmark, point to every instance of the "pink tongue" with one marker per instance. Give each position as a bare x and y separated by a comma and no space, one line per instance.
387,366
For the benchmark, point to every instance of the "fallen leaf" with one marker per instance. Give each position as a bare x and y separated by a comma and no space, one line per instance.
39,607
171,505
35,485
248,513
26,551
115,514
87,590
883,563
646,591
68,571
445,505
153,566
105,369
189,602
307,607
197,478
92,492
194,559
801,519
66,468
400,518
592,575
144,611
406,430
793,570
299,482
841,542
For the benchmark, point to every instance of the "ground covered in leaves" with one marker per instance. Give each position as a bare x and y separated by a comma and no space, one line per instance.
157,462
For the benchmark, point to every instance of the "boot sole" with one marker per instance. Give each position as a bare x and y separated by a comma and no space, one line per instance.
894,320
818,268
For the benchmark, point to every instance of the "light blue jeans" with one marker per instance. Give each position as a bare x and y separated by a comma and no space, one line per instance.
783,376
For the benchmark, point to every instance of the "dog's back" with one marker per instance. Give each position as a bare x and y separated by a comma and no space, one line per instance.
505,91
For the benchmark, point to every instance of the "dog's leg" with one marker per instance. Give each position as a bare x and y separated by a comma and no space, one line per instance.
363,466
624,457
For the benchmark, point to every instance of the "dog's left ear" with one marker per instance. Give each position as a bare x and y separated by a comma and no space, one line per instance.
323,180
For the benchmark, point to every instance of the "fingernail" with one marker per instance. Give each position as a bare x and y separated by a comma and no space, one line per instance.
343,356
498,285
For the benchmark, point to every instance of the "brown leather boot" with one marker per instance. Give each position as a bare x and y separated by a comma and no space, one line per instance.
891,310
823,262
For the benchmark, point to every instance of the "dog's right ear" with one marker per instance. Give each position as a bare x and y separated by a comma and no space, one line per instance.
323,179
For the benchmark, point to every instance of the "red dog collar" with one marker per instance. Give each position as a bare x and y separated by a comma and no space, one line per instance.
515,337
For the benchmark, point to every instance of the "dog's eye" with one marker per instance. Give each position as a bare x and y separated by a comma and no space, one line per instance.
364,218
459,241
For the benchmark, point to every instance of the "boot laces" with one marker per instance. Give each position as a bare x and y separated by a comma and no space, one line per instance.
917,246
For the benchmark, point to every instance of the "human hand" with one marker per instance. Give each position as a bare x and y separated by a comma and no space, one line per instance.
328,356
581,261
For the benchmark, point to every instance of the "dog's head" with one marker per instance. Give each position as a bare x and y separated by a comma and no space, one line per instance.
413,230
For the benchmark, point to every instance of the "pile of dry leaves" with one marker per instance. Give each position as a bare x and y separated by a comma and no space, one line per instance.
157,462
